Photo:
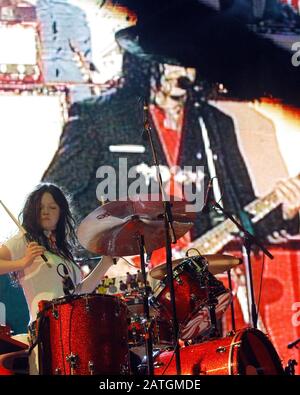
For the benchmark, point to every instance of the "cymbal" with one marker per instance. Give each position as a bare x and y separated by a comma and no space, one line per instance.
217,263
116,227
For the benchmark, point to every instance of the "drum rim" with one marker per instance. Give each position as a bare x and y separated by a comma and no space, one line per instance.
238,338
67,299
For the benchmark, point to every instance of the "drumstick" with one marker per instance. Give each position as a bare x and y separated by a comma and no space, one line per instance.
13,218
18,224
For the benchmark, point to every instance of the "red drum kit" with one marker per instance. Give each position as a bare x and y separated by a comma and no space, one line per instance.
247,352
108,334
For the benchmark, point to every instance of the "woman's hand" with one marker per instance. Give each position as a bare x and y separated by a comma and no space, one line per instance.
33,251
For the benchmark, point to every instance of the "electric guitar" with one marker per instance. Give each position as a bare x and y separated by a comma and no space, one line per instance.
215,239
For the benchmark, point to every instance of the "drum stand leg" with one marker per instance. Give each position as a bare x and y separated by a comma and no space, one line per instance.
148,327
231,303
212,303
249,241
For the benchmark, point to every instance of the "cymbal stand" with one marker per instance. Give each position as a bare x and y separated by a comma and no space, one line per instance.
249,240
170,238
212,303
148,329
231,303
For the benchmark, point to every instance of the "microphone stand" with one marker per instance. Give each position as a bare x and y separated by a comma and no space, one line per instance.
249,240
170,238
294,343
148,326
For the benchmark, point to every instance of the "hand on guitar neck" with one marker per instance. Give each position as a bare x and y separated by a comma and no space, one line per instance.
288,192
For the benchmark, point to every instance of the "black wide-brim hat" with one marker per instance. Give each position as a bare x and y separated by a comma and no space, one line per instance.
218,44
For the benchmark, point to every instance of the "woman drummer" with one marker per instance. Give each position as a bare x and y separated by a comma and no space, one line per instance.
42,255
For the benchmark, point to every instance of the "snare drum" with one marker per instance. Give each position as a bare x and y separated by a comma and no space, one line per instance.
248,352
83,335
191,281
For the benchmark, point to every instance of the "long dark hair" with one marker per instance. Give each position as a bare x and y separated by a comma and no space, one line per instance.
65,233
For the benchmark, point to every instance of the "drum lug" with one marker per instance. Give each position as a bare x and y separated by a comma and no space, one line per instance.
87,306
72,359
55,313
230,333
91,367
158,364
178,280
193,298
124,369
221,349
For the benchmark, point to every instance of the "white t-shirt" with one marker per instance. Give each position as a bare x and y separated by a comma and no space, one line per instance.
40,280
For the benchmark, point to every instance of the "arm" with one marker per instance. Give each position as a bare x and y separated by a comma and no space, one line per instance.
90,282
8,265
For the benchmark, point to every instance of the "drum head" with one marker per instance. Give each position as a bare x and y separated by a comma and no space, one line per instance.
256,354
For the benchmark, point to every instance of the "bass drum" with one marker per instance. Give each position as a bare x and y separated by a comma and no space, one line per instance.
248,352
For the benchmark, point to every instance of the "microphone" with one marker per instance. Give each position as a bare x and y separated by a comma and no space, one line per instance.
68,285
293,344
208,197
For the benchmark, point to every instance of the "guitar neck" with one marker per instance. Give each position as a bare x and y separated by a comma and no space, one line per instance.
215,239
259,208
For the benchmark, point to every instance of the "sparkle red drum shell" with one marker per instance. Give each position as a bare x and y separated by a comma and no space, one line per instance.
248,352
83,335
162,332
191,280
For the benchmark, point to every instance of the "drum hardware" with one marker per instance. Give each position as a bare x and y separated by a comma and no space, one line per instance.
221,349
148,337
178,280
72,359
118,308
87,306
57,371
212,302
55,312
249,241
91,367
124,369
230,333
294,343
193,298
231,303
290,368
158,364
